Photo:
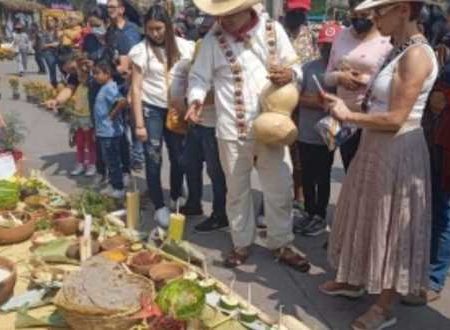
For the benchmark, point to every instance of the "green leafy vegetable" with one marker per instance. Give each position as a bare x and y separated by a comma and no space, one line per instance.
9,195
93,203
181,299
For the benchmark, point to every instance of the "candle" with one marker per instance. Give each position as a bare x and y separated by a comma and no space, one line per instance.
176,226
132,209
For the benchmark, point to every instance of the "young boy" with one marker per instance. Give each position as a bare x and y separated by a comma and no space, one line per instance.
316,159
109,126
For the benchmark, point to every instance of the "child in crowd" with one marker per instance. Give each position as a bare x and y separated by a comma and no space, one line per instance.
21,43
82,126
316,159
109,126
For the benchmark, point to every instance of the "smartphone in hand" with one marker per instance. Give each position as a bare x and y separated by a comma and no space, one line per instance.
318,85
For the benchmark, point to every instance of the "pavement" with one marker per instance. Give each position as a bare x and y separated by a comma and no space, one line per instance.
46,148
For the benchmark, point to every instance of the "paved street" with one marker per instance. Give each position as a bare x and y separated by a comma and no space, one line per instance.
47,149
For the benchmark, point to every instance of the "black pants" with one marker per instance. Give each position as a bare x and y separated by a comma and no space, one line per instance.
316,162
349,148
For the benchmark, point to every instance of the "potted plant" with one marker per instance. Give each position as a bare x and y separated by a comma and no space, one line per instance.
12,136
14,83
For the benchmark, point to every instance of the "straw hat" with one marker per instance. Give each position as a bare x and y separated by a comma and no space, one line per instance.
370,4
224,7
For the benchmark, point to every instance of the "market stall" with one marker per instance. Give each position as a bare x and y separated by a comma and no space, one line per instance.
77,261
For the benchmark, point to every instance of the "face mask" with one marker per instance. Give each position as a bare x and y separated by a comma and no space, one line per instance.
99,31
362,25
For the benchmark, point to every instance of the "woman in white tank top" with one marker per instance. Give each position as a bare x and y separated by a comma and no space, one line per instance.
380,238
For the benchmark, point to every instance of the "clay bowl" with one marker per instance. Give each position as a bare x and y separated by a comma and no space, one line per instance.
115,242
62,214
67,226
7,286
20,233
166,271
144,269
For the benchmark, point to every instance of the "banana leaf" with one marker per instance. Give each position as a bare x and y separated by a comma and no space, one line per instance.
214,319
53,320
55,252
184,251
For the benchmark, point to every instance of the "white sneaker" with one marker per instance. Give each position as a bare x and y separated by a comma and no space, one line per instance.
90,171
118,194
162,217
114,193
78,170
126,180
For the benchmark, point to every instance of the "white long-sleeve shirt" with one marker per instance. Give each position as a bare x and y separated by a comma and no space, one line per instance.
211,68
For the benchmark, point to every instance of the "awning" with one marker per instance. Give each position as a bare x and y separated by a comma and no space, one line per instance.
21,5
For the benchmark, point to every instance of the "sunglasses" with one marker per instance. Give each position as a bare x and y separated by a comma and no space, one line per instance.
381,11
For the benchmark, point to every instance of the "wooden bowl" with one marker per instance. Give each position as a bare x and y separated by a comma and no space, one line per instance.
166,271
144,269
115,242
18,234
7,286
66,226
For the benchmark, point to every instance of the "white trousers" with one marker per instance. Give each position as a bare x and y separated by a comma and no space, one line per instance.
275,174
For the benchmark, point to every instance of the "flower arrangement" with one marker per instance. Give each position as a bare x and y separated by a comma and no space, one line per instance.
12,135
14,84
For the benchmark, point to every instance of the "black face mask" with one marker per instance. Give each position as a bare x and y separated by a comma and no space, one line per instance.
362,25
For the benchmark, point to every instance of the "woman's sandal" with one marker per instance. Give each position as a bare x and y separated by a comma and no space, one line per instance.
290,257
376,318
237,257
342,290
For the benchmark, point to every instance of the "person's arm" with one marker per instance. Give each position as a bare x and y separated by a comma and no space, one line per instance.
120,105
136,102
312,101
200,79
63,96
407,84
288,69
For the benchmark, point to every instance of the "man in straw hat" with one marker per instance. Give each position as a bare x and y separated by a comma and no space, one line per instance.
243,53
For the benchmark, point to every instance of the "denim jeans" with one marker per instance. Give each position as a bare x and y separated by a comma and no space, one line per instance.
52,63
201,145
440,237
155,122
125,154
111,153
38,57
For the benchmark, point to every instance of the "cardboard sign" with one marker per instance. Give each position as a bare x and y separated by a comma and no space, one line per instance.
7,166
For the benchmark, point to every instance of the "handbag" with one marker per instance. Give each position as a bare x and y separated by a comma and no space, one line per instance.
174,120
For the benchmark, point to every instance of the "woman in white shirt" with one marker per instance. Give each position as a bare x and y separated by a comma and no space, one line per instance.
154,63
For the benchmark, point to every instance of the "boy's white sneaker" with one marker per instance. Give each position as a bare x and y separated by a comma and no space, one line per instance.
162,217
78,170
90,171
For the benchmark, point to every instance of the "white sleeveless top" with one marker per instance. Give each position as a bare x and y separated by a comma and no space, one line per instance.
381,87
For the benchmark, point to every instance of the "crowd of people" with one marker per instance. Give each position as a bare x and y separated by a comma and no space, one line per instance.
194,84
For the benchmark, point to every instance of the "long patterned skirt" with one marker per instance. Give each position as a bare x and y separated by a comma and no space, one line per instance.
380,238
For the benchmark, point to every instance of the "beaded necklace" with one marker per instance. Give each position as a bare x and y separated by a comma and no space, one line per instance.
236,70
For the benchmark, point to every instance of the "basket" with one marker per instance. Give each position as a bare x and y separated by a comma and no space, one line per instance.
7,286
88,320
